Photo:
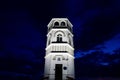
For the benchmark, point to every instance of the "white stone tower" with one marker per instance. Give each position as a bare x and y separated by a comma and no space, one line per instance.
59,58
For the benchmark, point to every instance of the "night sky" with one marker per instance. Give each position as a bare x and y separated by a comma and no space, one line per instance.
23,29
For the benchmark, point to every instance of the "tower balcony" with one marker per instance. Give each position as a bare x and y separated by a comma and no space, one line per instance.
60,42
59,48
61,27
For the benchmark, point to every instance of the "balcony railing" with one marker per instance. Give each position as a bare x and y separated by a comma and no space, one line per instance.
59,51
60,27
55,48
59,42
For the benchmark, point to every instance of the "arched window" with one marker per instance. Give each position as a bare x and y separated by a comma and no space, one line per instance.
62,23
69,40
56,24
59,59
59,38
49,40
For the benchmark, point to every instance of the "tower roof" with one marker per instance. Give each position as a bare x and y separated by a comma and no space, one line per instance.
59,20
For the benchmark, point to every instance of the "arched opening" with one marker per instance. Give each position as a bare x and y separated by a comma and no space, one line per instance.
49,39
59,59
62,23
69,40
59,38
48,42
56,24
59,32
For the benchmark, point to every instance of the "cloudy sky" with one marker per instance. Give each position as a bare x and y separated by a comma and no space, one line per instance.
23,26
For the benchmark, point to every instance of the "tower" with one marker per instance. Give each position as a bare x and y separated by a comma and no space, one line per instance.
59,58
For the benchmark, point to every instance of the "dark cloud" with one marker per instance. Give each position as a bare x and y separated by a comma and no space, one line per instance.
98,20
23,28
22,46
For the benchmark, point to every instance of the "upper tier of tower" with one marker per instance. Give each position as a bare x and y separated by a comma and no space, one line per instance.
60,23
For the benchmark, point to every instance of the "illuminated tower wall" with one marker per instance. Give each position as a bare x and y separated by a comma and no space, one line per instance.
59,58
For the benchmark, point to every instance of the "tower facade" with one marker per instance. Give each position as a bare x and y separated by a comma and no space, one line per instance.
59,58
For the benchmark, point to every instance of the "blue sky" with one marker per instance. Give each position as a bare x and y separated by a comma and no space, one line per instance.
23,29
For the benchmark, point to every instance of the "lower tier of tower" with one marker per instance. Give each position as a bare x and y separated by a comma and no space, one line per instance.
59,66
